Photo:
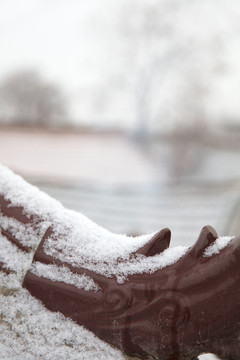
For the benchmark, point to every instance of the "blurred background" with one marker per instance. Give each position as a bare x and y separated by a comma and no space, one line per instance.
127,111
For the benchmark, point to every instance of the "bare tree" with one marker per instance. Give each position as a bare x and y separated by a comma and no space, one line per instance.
27,98
172,59
166,55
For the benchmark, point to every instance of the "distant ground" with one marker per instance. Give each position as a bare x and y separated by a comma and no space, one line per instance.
74,158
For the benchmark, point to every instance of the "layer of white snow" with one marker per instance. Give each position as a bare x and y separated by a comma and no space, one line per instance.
62,273
79,241
217,246
27,235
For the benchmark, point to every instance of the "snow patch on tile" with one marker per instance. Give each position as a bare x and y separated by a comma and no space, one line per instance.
14,260
62,273
27,235
217,246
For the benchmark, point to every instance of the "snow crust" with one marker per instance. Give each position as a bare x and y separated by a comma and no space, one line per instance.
76,239
62,273
217,246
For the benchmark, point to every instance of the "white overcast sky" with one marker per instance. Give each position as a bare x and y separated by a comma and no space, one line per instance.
59,37
70,42
75,44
